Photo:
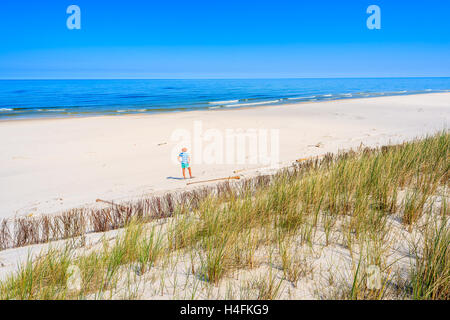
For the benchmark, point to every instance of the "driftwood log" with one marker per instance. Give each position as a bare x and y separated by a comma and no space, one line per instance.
111,203
218,179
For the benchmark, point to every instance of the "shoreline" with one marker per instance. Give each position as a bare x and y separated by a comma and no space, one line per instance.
220,108
52,166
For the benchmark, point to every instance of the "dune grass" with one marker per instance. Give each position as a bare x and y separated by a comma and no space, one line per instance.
347,197
431,273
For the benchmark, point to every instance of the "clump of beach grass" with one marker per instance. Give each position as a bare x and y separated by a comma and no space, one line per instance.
430,278
293,264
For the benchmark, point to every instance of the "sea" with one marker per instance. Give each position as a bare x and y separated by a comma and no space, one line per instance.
29,99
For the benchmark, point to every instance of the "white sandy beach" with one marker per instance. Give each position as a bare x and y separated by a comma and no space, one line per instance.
55,164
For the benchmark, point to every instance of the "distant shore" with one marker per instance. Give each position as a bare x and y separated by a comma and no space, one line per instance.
52,165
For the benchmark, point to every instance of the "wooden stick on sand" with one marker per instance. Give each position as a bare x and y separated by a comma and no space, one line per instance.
218,179
309,158
111,203
248,169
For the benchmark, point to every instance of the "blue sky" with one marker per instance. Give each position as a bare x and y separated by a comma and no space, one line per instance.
223,39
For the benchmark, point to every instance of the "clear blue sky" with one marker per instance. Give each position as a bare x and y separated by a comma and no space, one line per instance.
223,39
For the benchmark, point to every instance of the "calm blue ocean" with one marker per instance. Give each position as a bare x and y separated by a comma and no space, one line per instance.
72,98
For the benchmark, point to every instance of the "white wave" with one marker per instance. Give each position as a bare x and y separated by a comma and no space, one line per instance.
214,107
347,95
327,95
299,98
252,103
5,109
223,102
51,110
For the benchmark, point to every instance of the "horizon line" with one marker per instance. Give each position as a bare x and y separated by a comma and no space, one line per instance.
227,78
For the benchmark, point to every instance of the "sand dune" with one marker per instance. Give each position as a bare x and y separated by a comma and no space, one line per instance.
51,165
